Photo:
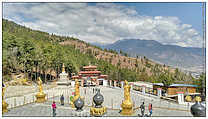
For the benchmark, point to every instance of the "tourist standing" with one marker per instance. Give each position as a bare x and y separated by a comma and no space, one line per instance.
62,99
142,109
150,109
85,91
54,108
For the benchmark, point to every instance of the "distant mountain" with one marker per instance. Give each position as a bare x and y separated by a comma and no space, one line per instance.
172,55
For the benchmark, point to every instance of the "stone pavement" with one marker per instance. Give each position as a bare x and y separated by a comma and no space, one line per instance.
112,100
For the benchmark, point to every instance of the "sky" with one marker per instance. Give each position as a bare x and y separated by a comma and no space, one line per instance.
168,23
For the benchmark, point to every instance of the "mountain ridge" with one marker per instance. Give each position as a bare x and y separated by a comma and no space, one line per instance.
172,55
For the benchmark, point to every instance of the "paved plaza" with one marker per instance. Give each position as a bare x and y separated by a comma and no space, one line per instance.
112,100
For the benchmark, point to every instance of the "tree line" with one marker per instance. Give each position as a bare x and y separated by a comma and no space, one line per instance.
27,51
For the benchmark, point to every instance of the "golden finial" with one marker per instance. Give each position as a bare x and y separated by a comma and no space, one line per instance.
63,68
126,82
198,99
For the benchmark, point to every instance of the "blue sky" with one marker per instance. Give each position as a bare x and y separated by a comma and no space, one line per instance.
168,23
188,13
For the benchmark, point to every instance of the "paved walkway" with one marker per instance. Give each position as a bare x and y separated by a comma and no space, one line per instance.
112,100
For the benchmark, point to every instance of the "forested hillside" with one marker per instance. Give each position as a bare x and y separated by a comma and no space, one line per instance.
25,49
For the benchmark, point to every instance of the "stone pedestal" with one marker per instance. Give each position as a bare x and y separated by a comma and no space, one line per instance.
180,97
83,113
159,92
40,97
143,89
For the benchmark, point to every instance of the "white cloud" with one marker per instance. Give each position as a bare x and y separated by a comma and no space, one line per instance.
103,22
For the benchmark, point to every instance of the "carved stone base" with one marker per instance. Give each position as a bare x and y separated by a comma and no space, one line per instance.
127,108
40,97
4,107
97,111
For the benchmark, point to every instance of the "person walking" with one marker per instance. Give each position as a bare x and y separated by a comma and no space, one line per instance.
142,109
150,109
120,110
54,108
62,99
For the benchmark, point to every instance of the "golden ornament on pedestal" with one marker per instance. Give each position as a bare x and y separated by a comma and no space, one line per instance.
4,104
77,94
97,111
63,68
188,98
40,97
127,105
198,99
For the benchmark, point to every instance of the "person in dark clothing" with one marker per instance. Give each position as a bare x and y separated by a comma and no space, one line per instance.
85,91
62,99
142,109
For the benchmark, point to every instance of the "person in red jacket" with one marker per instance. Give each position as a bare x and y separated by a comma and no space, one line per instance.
54,108
150,109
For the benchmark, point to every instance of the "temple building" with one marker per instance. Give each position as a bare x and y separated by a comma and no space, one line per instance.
90,76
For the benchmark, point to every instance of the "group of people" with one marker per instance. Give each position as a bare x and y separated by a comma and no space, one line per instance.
54,104
142,107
